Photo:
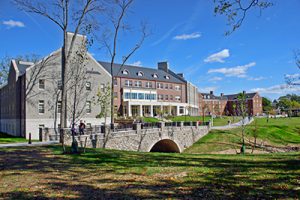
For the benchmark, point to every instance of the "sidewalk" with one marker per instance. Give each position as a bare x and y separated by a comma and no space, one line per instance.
232,126
25,144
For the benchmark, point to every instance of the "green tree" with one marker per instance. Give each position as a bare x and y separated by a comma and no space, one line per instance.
267,104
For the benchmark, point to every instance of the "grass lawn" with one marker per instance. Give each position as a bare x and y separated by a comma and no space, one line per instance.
4,138
43,173
219,121
277,132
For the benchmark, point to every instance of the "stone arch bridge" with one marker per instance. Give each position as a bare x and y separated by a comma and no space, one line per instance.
165,137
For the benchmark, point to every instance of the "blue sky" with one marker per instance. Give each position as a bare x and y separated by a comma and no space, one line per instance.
186,34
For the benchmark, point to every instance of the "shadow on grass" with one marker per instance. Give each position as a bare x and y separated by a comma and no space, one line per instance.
109,174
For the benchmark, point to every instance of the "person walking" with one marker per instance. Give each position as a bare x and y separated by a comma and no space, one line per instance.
81,127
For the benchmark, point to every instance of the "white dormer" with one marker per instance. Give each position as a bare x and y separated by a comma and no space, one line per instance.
140,73
155,75
125,72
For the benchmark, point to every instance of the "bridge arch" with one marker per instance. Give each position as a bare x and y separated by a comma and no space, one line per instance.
166,146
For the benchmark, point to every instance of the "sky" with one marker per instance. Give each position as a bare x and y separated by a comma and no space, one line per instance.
188,35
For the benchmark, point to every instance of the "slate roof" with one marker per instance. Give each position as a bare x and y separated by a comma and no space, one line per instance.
148,73
212,96
234,96
23,66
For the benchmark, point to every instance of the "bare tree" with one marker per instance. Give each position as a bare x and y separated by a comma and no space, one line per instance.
236,10
242,109
204,108
294,80
118,11
67,17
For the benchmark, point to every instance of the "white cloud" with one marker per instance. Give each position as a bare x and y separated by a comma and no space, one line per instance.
256,78
293,76
137,63
215,79
187,36
276,89
218,57
208,89
238,71
11,24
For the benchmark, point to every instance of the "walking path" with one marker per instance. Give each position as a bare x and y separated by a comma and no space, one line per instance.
232,126
25,144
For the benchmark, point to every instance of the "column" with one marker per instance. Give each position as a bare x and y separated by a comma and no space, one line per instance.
177,109
141,111
129,110
170,109
151,110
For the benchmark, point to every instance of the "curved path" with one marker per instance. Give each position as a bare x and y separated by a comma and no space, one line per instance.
246,121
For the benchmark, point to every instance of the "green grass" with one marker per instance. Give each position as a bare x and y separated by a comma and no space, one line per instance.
44,173
150,119
4,139
278,132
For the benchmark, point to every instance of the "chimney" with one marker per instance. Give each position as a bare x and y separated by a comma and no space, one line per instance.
181,75
163,66
211,92
244,92
222,94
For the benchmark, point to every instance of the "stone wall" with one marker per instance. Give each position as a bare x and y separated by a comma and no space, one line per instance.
142,139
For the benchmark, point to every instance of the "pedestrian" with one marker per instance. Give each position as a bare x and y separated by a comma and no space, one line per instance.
81,127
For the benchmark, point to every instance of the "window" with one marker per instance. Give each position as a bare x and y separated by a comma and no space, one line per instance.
181,110
171,97
177,98
166,86
88,107
140,73
88,125
171,86
160,85
150,96
128,83
138,83
125,72
148,84
59,84
134,95
177,87
115,81
41,106
155,75
127,95
166,97
102,87
141,95
115,95
59,107
42,84
167,77
41,125
88,85
160,97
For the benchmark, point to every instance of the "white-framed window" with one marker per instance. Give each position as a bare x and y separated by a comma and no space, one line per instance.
160,97
155,75
181,110
88,107
115,81
41,106
140,73
167,77
177,87
171,97
59,107
148,85
88,85
138,83
125,72
102,87
128,83
166,86
177,98
160,85
166,97
42,84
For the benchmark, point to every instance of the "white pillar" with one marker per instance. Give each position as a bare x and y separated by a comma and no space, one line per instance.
141,110
129,110
170,109
151,110
177,110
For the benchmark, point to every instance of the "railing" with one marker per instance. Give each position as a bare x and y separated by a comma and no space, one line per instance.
149,125
122,127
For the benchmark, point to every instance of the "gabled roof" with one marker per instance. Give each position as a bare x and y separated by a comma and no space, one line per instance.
147,73
212,96
234,96
22,66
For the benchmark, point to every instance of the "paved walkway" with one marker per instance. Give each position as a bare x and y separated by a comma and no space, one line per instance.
25,144
232,126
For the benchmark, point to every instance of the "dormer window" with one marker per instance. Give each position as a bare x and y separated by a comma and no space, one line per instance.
155,75
167,77
125,72
140,73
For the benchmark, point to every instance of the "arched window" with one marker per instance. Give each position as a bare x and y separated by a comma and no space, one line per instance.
125,72
167,77
155,75
140,73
